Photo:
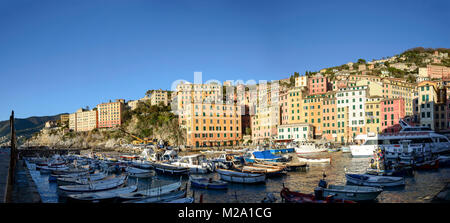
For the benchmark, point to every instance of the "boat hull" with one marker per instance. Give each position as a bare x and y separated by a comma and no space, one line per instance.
239,177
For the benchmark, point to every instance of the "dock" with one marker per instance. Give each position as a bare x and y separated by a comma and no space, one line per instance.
4,173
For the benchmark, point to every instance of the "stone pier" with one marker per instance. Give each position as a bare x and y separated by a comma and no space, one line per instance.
4,173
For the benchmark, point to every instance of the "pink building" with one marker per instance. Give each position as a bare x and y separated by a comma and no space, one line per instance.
438,72
391,111
317,85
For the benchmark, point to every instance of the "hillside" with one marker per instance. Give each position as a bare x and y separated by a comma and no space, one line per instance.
27,126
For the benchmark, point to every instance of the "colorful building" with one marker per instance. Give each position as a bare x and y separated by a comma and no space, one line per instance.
391,111
110,114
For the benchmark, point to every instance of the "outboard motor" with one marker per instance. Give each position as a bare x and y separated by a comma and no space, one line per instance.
318,193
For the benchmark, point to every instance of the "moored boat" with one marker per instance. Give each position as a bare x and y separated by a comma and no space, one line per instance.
92,187
160,198
139,173
240,177
314,160
102,195
151,192
349,192
374,181
166,168
207,183
297,197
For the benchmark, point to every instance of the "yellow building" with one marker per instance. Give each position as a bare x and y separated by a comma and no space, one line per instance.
399,88
373,124
295,105
159,96
83,120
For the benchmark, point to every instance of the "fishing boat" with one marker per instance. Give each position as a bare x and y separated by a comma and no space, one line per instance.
101,196
306,147
267,170
167,168
139,173
49,169
314,160
349,192
374,181
151,192
86,179
92,187
196,163
297,197
240,177
207,183
262,156
427,165
288,166
162,198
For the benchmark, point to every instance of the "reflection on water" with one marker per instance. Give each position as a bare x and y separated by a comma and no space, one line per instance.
419,188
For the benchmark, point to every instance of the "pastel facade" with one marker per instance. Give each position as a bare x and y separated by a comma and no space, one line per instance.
83,120
210,124
295,132
317,84
391,111
110,114
159,97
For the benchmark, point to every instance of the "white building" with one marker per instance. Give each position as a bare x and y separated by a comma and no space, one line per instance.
299,131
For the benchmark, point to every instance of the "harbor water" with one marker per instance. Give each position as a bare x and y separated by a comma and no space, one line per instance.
419,188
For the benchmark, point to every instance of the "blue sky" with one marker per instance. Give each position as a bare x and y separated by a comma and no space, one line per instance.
57,56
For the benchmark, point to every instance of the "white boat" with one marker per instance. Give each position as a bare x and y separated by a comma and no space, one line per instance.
49,169
85,179
167,168
240,177
306,147
417,135
196,163
314,160
102,195
349,192
345,149
92,187
151,192
163,198
374,180
139,173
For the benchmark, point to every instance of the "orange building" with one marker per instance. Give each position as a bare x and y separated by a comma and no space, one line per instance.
110,114
210,124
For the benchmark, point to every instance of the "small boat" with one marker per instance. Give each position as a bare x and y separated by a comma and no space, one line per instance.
374,181
102,195
240,177
166,168
427,165
151,192
196,163
349,192
139,173
309,148
314,160
297,197
207,183
49,169
86,179
185,200
162,198
92,187
332,150
268,171
444,161
345,149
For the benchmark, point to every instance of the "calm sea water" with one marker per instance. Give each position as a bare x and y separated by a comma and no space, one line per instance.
419,188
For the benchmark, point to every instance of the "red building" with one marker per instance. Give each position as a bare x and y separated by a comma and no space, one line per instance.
317,84
391,111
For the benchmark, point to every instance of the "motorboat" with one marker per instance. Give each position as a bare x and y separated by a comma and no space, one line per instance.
289,196
196,163
168,168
